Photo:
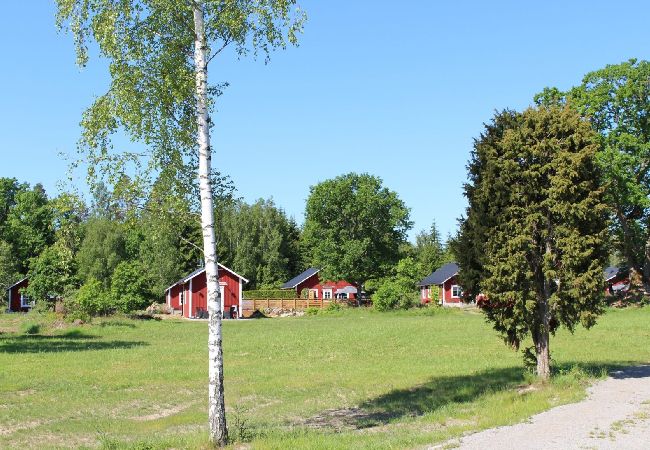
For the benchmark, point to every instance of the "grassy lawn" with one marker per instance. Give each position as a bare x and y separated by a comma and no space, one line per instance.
352,379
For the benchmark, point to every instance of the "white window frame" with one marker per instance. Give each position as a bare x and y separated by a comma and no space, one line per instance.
460,290
24,301
327,294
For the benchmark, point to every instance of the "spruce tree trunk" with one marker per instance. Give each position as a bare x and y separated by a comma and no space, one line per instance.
216,403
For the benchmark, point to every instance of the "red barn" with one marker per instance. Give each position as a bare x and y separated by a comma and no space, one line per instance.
327,290
190,294
446,278
17,301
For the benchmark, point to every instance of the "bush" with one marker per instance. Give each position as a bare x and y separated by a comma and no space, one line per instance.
312,311
90,300
31,328
394,295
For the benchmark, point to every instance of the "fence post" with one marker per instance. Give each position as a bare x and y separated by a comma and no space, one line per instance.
294,304
268,305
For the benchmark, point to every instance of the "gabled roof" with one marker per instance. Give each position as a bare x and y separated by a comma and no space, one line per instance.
441,275
188,277
613,272
16,284
295,281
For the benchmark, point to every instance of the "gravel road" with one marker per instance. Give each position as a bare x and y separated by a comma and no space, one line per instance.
615,415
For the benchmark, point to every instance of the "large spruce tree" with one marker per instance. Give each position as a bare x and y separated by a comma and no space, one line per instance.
533,239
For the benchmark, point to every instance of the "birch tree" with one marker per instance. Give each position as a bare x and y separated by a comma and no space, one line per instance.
158,52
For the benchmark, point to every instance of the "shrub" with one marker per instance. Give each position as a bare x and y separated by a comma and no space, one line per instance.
90,300
312,311
31,328
394,294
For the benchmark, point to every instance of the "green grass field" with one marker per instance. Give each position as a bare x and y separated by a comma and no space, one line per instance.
351,379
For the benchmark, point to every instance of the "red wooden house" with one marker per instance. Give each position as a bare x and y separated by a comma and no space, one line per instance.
189,294
17,301
446,278
310,280
617,280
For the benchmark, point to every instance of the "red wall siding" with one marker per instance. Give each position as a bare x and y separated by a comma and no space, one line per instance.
309,283
447,291
197,298
14,297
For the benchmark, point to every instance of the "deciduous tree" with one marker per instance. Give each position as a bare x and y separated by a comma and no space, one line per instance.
354,227
158,53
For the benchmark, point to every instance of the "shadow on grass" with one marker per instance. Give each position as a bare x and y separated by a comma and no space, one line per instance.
72,341
441,391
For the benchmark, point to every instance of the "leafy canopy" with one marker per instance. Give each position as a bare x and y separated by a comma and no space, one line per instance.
354,227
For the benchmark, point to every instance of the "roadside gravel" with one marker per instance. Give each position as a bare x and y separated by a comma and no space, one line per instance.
615,415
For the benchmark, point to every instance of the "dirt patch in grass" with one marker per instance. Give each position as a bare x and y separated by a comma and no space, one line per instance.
13,428
345,419
162,413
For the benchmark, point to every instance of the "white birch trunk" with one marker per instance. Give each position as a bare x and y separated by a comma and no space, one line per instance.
216,403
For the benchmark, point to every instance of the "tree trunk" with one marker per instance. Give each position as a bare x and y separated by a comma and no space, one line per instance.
542,351
635,275
646,267
216,403
541,334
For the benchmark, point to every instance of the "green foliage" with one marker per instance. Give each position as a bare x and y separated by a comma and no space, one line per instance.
29,226
616,101
398,292
430,251
354,227
8,266
534,235
269,293
312,311
103,248
130,287
51,273
90,300
30,328
258,240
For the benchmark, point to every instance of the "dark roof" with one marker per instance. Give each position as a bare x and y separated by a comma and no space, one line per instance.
295,281
441,275
15,284
613,272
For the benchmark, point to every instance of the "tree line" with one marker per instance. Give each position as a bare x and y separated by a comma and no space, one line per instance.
123,249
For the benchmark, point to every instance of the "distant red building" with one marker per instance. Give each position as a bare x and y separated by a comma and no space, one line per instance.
189,294
446,278
310,280
17,301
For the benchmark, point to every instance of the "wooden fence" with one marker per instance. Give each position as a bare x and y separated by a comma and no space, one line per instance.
249,306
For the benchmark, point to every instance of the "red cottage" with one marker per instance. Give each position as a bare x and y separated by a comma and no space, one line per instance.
446,278
17,301
327,290
189,295
617,280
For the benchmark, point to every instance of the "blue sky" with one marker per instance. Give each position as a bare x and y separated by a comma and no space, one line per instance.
396,89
